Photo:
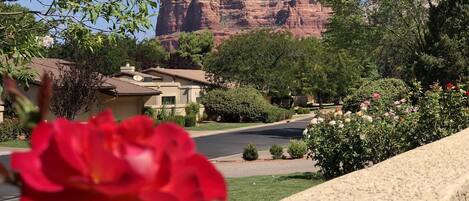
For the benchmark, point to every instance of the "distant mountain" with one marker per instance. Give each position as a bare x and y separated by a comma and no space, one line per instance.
228,17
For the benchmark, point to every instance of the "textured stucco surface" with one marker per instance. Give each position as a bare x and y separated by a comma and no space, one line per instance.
437,171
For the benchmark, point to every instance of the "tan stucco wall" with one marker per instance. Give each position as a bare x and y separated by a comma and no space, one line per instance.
168,78
437,171
122,107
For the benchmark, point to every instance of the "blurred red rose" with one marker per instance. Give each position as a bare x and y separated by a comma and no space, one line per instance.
106,161
450,85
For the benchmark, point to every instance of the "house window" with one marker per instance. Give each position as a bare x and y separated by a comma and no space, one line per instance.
168,100
198,99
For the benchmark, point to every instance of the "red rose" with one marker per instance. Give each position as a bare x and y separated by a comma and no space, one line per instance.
105,161
467,93
449,85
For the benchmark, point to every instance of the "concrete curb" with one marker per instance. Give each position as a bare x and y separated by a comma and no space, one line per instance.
209,133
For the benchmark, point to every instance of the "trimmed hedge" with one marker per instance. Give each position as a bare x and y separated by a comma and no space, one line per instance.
250,153
242,105
276,151
274,114
303,111
297,149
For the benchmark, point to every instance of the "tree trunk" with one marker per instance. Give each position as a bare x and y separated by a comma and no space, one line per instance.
319,100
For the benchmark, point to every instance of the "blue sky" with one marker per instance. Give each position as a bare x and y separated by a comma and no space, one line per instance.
35,5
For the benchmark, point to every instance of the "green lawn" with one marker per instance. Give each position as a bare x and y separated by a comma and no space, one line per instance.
213,126
270,188
15,143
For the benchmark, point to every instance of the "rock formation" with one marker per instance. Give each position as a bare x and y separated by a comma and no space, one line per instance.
227,17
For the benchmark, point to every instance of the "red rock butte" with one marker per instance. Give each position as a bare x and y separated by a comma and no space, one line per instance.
228,17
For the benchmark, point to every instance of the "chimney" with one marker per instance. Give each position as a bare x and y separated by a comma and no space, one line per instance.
127,68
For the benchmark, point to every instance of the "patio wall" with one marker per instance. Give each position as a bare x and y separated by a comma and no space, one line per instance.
437,171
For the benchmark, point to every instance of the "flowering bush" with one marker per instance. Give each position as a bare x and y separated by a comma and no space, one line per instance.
342,143
383,91
103,160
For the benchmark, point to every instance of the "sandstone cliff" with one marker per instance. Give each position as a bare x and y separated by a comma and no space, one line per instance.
228,17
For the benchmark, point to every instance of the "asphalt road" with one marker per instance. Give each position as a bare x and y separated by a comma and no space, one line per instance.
233,143
216,145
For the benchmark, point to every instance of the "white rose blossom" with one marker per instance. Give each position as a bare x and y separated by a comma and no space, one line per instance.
348,113
314,121
396,118
320,120
332,122
305,131
47,41
341,125
368,118
347,120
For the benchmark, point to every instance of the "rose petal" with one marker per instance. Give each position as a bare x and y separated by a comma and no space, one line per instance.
174,140
137,129
41,136
29,167
211,182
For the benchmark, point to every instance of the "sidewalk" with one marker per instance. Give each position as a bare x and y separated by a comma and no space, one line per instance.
234,166
195,134
8,150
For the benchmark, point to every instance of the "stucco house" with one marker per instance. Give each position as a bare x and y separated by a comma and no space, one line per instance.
124,98
178,86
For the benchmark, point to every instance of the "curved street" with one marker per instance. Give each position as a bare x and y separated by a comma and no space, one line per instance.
233,142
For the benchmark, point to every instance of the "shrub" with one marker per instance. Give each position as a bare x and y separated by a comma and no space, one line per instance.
299,111
235,105
151,112
250,153
11,129
276,151
344,143
192,108
297,149
191,120
303,111
177,119
274,114
389,90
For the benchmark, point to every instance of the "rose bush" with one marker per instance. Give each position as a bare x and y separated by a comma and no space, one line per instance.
345,142
105,161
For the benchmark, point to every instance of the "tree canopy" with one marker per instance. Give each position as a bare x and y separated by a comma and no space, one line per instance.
445,53
23,37
194,46
279,64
